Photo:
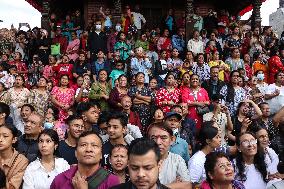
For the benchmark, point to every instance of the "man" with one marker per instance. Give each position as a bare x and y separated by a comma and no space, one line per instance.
60,40
27,143
195,45
173,171
179,146
133,117
20,120
138,19
213,85
178,41
97,40
143,165
117,123
87,174
90,114
67,147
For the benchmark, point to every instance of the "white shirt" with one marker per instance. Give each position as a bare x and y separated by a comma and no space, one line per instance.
138,18
254,178
196,167
276,103
172,168
195,46
271,160
36,177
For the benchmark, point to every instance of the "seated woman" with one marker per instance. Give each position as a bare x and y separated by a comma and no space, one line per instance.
118,160
41,172
15,162
210,139
250,165
219,172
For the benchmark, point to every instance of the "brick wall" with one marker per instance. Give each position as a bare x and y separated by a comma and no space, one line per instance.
92,7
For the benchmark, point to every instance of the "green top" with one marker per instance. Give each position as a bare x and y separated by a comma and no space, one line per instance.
95,94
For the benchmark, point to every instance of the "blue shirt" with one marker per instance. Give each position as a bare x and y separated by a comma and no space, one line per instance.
180,147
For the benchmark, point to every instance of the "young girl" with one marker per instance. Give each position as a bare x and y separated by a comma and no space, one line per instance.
175,62
12,163
41,172
116,72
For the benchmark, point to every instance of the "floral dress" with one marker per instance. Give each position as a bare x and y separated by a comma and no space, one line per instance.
18,99
164,95
240,95
189,96
96,91
143,110
64,98
39,101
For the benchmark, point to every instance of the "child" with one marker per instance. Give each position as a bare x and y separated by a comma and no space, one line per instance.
116,72
49,121
175,62
60,128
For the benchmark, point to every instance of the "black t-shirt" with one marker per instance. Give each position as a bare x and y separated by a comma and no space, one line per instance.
107,148
67,152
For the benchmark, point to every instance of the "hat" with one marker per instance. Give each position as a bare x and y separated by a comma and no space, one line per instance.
171,114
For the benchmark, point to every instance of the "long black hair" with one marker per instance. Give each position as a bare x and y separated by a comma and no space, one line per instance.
230,89
54,137
259,161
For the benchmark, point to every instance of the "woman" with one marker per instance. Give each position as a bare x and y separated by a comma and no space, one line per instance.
81,66
244,116
219,172
43,45
3,93
196,98
233,93
185,81
39,97
168,96
274,64
161,68
100,90
12,163
122,47
234,61
247,66
210,139
141,97
41,172
233,41
255,95
118,160
82,93
201,68
63,97
256,42
73,47
48,72
158,116
250,162
271,158
224,69
117,93
164,42
18,95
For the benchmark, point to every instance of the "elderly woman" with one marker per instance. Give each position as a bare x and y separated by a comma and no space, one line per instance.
197,99
118,92
169,95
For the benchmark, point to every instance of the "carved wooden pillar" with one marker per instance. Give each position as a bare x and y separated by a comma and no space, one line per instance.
256,17
189,19
45,15
117,10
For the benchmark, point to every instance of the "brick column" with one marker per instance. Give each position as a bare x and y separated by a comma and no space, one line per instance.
189,19
45,15
117,11
256,17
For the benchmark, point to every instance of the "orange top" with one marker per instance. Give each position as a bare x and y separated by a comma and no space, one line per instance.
257,65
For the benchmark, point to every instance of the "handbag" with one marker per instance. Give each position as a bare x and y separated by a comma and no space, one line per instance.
201,110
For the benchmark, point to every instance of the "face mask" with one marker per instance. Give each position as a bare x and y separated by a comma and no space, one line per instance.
98,27
118,28
48,125
260,76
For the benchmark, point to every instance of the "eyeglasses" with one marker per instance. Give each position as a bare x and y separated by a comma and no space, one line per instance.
246,143
162,137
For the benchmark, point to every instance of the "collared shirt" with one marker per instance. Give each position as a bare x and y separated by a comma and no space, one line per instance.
138,19
37,177
196,46
172,167
141,66
14,169
180,147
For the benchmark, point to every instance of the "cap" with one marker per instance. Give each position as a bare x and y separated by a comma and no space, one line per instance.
171,114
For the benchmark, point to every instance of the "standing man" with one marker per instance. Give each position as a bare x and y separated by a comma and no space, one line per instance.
87,174
143,165
67,147
139,20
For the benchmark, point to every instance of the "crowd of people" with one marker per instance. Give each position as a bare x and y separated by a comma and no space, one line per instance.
112,104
